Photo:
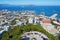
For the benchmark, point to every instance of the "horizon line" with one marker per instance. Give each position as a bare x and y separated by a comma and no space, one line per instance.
30,4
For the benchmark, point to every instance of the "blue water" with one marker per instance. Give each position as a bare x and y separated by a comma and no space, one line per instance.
49,10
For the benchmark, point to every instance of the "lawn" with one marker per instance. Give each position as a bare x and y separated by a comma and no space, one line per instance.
18,31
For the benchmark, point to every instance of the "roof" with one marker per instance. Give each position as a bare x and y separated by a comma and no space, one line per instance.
46,21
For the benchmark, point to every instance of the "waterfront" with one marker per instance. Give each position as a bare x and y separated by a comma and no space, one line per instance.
49,10
29,19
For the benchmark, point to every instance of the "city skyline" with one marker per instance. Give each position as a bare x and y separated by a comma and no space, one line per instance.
31,2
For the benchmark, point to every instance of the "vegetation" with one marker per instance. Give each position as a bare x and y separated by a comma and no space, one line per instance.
5,23
13,22
18,31
58,36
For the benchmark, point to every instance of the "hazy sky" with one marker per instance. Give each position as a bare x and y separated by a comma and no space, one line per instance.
31,2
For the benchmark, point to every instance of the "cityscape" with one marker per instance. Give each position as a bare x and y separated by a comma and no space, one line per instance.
28,21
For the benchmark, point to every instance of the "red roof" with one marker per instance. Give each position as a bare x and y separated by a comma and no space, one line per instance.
46,21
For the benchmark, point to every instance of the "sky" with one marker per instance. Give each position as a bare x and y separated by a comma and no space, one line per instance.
31,2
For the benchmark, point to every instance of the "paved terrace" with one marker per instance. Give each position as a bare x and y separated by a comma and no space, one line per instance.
34,34
50,28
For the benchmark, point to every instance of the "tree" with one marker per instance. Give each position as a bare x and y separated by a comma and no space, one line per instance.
13,22
58,36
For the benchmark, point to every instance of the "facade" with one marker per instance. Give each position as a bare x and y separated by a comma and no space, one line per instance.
4,28
30,20
18,22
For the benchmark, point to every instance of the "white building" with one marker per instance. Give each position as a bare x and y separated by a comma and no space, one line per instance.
55,22
1,31
36,20
18,22
30,20
58,27
6,28
2,21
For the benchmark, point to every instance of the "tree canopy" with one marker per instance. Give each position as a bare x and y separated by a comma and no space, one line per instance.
17,31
